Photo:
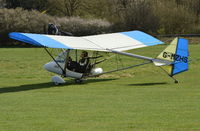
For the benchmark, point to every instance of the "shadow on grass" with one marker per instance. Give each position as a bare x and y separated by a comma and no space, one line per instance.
26,87
98,80
148,84
46,85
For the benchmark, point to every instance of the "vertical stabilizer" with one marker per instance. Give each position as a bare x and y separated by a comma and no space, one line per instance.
177,53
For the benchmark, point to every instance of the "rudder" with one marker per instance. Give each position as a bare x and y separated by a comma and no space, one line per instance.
177,53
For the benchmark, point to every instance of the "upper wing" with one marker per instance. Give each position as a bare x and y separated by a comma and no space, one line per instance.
114,41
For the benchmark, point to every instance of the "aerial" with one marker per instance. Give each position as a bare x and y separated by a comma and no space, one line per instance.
99,65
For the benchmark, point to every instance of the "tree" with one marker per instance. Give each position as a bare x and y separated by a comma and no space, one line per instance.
94,9
173,19
134,14
27,4
2,4
194,6
63,7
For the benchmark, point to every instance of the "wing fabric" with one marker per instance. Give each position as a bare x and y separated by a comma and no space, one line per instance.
37,39
115,41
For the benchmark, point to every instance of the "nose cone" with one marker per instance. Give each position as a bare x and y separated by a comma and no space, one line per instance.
53,67
49,66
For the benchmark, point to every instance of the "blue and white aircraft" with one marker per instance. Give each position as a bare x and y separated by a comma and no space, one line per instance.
174,59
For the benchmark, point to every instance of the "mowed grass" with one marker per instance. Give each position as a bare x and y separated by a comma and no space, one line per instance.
142,98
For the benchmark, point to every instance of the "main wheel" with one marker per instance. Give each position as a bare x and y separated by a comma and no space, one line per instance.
176,81
78,81
56,83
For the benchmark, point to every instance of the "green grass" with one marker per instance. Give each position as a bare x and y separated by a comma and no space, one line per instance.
142,98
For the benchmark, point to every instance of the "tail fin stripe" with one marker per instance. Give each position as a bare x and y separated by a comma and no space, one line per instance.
177,53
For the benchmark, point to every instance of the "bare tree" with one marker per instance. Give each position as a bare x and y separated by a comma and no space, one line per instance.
2,4
194,6
65,7
26,4
134,14
191,5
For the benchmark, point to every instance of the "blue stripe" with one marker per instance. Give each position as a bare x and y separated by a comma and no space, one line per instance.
143,38
182,50
23,38
38,40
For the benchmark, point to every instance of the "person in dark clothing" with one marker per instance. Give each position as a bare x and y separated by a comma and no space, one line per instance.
83,62
72,65
84,59
52,29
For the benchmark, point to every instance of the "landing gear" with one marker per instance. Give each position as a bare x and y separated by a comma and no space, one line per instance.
56,83
57,80
175,80
78,81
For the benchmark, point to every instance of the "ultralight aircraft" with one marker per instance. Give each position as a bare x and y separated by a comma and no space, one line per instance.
173,60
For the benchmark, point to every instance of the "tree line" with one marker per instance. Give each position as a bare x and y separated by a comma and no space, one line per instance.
151,16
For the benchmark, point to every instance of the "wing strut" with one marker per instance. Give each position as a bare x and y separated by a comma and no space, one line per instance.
55,61
66,61
125,68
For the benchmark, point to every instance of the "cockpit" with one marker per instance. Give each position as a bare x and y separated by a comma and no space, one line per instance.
62,57
73,62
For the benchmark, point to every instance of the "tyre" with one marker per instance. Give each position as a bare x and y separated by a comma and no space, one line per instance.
78,81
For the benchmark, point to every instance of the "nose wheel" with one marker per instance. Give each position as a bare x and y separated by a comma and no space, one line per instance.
57,80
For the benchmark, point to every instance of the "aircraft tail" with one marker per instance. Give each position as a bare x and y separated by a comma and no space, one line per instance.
177,56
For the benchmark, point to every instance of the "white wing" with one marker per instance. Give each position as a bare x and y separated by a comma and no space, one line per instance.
115,41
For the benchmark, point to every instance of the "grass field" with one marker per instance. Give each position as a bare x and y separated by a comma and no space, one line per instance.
142,98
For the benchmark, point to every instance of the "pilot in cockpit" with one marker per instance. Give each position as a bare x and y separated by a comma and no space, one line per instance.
80,66
83,62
